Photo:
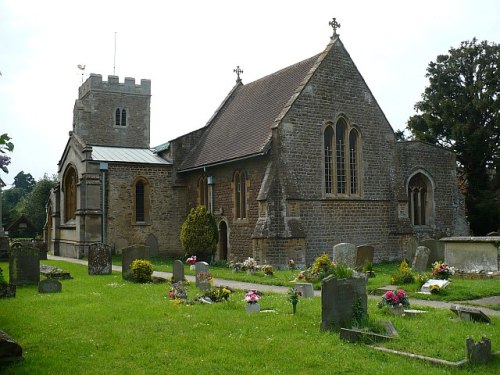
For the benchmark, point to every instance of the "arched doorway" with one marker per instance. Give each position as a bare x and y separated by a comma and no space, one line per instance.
223,240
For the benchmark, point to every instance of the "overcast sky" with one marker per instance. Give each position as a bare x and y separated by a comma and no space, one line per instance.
188,49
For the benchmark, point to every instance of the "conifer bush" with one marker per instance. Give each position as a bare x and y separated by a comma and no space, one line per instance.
199,233
141,270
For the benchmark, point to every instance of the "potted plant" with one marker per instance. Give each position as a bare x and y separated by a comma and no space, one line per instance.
395,300
293,297
252,298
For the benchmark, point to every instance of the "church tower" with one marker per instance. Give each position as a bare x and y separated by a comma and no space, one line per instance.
110,113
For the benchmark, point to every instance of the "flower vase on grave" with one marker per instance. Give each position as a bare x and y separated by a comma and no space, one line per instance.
397,310
294,305
253,307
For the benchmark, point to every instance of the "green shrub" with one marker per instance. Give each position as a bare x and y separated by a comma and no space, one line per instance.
342,271
322,265
199,233
405,275
141,270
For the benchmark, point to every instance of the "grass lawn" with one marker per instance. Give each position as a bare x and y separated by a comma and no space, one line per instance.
103,325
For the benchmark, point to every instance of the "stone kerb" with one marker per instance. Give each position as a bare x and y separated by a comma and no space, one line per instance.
345,253
129,254
24,265
337,299
100,259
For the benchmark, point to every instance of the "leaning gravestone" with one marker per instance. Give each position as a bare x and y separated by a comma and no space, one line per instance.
338,296
10,350
344,253
24,265
178,271
49,285
436,248
409,248
152,243
129,254
100,261
200,267
419,263
470,313
364,254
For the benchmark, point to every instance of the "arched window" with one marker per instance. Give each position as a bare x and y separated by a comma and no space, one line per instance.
420,199
117,117
203,191
69,184
328,148
124,118
240,194
120,117
340,156
353,160
141,200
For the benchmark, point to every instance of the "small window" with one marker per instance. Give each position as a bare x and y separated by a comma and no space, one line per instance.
328,148
203,191
70,182
353,160
124,117
117,117
240,195
120,117
141,192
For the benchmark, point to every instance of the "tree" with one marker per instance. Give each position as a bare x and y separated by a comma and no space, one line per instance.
24,181
199,233
5,146
460,110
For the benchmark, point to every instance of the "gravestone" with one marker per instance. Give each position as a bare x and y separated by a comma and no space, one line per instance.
426,288
480,353
344,253
337,299
200,267
152,243
54,272
10,350
470,313
409,248
306,289
436,248
129,254
419,263
4,248
24,265
100,260
178,271
49,285
364,254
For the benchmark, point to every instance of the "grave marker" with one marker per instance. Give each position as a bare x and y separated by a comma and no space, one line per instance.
345,253
200,267
419,263
100,261
409,248
364,254
306,289
24,265
178,271
129,254
470,313
436,248
49,285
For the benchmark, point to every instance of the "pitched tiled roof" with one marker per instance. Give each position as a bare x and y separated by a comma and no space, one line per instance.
242,127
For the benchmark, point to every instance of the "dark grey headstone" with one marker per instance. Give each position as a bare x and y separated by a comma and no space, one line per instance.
344,253
364,254
480,353
409,248
178,271
419,263
24,265
337,300
10,350
49,285
436,248
470,313
100,260
200,267
152,243
131,253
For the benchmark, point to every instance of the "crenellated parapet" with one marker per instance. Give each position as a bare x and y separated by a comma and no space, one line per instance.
95,83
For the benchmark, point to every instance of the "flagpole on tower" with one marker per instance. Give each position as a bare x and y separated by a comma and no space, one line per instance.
114,57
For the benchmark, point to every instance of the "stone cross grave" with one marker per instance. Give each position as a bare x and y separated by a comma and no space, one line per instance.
364,253
24,265
129,254
100,261
49,285
178,271
419,263
200,267
337,300
344,253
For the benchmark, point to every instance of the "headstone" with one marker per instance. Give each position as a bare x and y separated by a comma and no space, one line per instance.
199,268
480,353
152,243
337,300
306,289
419,263
178,271
4,248
470,313
426,288
10,350
100,260
344,253
436,248
49,285
24,265
129,254
364,254
409,248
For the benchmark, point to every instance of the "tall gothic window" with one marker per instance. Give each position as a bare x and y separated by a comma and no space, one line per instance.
419,199
141,195
70,182
341,159
120,117
240,194
117,117
203,191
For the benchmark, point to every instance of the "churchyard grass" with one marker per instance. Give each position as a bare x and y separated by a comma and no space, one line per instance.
102,324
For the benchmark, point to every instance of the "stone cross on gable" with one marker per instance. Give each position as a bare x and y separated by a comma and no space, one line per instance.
335,25
238,71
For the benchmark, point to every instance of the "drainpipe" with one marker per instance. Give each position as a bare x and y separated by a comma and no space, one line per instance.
103,167
211,183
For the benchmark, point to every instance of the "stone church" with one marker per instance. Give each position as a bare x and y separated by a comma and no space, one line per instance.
290,164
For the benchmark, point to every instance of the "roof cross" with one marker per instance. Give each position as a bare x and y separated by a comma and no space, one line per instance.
335,25
238,71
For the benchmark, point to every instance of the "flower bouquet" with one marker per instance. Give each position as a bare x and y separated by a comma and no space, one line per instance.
442,271
396,301
191,261
252,298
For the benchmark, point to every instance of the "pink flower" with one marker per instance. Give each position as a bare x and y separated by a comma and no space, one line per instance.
389,295
401,293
